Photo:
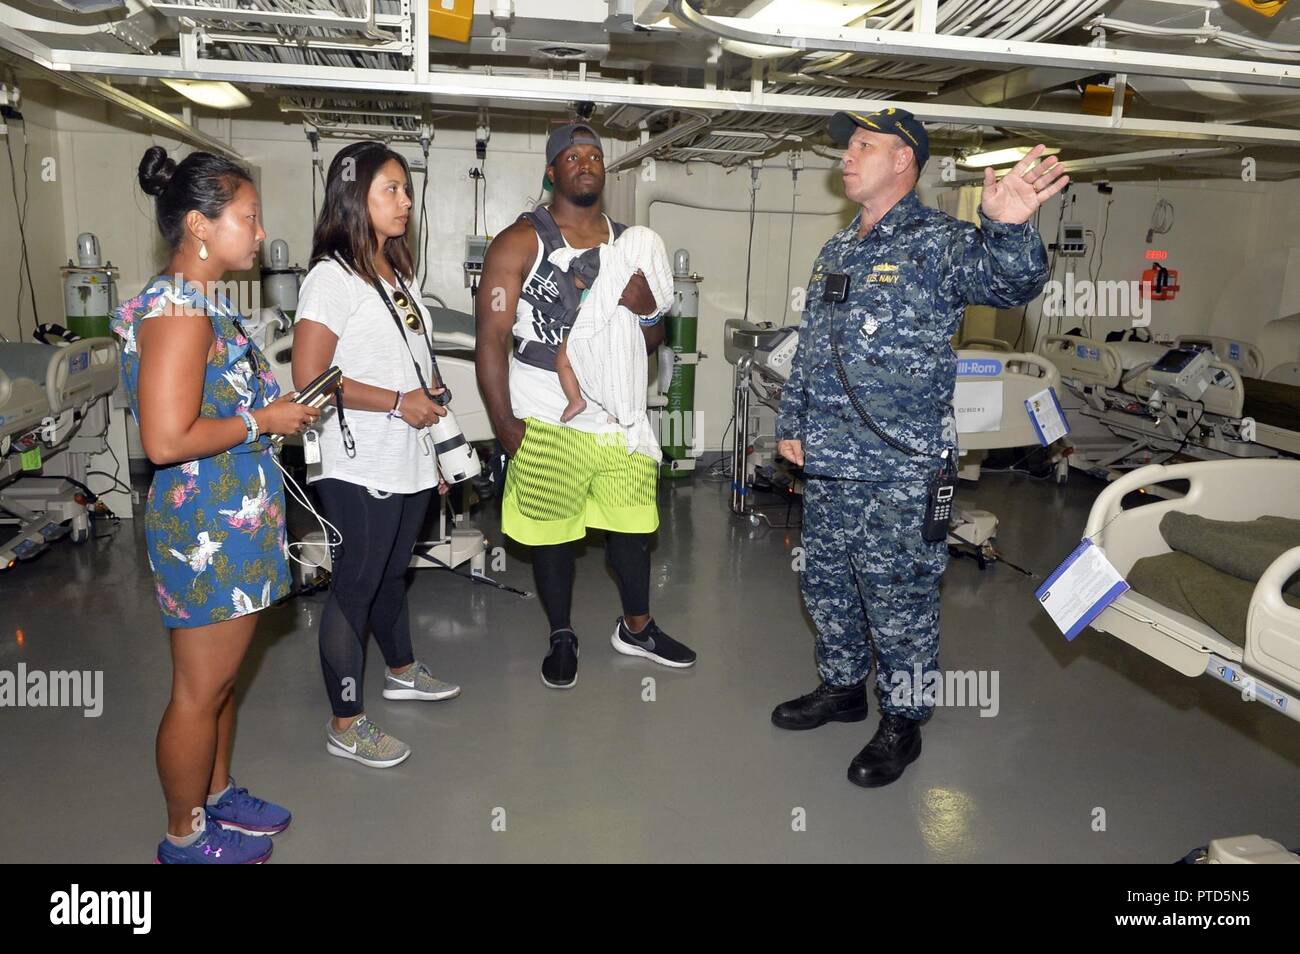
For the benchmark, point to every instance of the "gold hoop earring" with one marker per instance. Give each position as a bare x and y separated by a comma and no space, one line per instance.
203,251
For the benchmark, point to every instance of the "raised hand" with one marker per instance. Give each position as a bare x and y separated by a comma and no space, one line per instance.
1017,195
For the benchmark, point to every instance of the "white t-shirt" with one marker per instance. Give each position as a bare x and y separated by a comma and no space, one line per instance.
390,456
535,392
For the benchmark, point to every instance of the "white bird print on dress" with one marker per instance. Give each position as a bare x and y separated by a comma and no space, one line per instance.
250,513
243,387
200,556
244,603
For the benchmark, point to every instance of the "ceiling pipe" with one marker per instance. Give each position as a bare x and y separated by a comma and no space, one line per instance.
697,122
989,53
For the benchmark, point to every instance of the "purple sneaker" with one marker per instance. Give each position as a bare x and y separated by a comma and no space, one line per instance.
216,846
241,812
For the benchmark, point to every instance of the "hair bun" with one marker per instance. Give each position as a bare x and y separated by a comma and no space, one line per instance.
155,170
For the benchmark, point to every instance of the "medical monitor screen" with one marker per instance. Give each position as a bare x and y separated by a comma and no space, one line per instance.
1176,360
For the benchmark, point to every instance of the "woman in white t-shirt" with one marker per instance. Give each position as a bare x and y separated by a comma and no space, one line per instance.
356,309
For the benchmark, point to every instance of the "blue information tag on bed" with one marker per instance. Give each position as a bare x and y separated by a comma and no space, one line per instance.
1047,416
1080,588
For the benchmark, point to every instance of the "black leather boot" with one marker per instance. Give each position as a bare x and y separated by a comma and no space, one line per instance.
895,746
824,704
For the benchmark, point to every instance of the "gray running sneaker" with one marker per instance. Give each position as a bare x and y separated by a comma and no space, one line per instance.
417,683
366,743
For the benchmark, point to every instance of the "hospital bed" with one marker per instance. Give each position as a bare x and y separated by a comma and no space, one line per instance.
1234,416
47,393
993,388
1275,358
993,385
1267,666
1242,355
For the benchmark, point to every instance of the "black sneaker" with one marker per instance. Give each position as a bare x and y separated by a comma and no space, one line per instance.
560,667
652,643
824,704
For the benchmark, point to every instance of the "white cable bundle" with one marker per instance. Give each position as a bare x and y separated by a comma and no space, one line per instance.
1162,218
606,346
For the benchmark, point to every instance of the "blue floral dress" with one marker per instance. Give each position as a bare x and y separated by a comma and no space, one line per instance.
215,527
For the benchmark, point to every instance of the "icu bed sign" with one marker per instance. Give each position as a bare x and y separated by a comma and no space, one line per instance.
977,404
1091,354
79,363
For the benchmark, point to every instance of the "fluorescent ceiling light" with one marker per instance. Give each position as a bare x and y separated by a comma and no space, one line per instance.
206,93
798,12
1001,157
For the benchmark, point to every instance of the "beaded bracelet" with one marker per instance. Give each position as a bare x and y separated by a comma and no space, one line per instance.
250,425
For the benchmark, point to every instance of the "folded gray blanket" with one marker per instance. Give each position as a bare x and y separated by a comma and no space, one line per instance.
1240,548
1185,584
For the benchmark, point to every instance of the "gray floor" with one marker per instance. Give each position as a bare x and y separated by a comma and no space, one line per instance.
699,774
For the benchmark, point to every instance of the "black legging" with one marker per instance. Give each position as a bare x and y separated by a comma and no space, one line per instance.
367,585
628,555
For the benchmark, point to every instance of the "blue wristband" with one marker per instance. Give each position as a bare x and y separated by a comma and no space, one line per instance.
250,427
651,322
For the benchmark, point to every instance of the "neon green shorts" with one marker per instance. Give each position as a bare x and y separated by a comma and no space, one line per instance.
563,481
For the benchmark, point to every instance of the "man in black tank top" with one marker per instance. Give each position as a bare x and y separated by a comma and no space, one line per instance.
565,478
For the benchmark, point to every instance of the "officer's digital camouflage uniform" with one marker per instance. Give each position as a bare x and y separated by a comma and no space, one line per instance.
869,576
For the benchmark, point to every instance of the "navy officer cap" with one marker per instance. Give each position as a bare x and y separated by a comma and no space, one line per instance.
897,122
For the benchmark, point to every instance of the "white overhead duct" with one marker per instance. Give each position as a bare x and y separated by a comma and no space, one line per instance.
869,77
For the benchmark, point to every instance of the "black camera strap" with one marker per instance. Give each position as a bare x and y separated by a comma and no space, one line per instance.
349,445
443,398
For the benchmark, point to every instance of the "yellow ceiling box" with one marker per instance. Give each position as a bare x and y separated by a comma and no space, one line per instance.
451,19
1097,100
1270,8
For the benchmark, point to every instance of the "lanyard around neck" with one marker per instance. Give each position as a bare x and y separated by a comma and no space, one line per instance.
445,396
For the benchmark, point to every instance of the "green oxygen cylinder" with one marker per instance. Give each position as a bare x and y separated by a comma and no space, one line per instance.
679,427
89,290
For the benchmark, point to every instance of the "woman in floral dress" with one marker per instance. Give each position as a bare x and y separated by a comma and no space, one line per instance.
206,402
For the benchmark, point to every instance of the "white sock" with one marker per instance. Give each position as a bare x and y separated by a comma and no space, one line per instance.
185,841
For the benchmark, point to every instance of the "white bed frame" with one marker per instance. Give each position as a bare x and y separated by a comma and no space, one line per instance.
77,378
1268,668
1094,371
1022,375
